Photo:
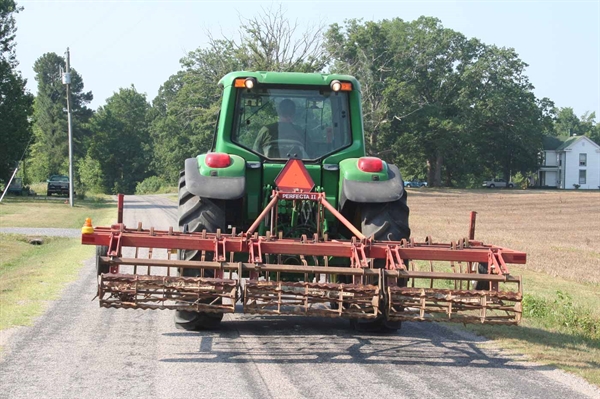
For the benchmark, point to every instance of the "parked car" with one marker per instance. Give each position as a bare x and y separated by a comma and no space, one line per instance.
415,183
58,185
500,183
16,187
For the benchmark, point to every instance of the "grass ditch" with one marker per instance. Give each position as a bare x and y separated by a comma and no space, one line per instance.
30,275
560,231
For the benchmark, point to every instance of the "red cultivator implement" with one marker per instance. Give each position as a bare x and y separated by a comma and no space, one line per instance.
464,281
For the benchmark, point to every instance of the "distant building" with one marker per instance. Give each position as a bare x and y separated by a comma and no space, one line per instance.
569,162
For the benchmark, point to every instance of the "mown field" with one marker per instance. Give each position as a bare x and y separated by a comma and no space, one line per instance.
560,231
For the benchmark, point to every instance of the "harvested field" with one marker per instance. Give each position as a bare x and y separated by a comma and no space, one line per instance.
559,230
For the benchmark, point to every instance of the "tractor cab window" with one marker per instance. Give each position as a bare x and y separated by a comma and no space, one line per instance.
291,123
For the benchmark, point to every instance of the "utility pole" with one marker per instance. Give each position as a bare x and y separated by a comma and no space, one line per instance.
66,78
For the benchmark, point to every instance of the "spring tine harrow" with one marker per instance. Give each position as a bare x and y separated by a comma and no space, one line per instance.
421,281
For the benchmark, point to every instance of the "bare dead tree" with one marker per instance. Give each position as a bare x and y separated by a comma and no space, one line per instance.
271,42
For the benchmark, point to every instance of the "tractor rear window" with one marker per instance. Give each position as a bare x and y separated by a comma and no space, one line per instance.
291,123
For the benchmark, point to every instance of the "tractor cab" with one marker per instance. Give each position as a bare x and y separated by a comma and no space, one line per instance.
271,117
283,122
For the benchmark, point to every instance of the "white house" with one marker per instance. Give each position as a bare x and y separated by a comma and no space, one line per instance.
569,162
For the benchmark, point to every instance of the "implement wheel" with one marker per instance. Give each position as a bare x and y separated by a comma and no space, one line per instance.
384,222
482,284
101,268
197,214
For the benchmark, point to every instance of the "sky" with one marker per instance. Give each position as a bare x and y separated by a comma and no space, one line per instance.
118,43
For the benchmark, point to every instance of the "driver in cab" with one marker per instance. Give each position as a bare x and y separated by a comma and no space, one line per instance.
282,139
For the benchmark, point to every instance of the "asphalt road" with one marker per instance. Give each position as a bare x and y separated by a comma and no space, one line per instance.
77,350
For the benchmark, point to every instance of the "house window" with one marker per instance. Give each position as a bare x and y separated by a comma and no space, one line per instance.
582,159
582,176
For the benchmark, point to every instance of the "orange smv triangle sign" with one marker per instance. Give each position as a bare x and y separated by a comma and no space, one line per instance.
294,177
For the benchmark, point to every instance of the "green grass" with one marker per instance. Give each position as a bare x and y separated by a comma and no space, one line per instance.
30,275
33,212
560,326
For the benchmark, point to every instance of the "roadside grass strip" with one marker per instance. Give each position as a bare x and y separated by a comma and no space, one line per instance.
32,212
560,327
31,275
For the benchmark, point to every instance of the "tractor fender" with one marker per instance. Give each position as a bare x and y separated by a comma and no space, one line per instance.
374,191
223,183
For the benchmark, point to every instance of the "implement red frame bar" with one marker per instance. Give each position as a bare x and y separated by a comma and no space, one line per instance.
475,251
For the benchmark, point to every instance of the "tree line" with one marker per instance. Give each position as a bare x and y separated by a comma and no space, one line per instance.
443,107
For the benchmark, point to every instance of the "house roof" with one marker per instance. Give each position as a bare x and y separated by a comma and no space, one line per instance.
568,142
552,143
562,143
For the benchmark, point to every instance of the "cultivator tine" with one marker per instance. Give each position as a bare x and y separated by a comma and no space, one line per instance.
167,292
311,299
460,306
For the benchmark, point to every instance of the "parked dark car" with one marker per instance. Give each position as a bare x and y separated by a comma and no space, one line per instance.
415,183
58,185
16,187
500,183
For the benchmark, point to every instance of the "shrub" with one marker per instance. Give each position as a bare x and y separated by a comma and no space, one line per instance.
150,185
563,314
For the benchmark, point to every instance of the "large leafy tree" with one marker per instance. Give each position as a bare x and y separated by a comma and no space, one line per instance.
185,110
15,102
410,74
505,120
51,148
439,104
119,152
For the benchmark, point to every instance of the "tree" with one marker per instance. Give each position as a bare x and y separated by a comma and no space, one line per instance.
15,101
410,74
271,42
568,124
119,153
185,111
504,117
439,104
50,150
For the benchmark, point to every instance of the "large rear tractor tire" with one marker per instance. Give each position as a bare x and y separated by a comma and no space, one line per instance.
197,214
384,222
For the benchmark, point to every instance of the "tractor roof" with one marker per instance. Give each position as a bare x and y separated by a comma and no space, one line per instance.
294,78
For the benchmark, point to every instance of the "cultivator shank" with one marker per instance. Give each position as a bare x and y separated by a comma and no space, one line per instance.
421,281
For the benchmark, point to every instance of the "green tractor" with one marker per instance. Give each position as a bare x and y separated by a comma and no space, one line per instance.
266,119
287,215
